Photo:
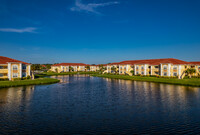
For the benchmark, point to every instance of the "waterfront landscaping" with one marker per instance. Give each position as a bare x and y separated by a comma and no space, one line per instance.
39,81
64,73
172,80
187,82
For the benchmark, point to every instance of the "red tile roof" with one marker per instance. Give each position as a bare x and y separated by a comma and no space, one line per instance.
5,60
152,61
70,64
195,62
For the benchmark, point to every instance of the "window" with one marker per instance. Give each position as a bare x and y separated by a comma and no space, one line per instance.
24,74
165,73
137,73
142,73
142,67
15,67
124,67
120,67
174,74
3,67
24,67
164,67
120,72
1,75
175,67
199,67
137,67
15,74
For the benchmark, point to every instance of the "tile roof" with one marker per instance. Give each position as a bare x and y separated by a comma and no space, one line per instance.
195,62
5,60
153,61
70,64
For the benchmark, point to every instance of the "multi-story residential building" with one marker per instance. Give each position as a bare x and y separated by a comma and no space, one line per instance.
94,68
109,67
68,67
163,67
196,65
11,68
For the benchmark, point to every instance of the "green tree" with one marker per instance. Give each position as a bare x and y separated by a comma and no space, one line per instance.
190,71
101,68
71,69
114,69
48,66
56,70
132,72
87,68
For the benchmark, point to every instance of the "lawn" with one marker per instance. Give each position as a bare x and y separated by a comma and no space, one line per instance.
64,73
38,81
186,82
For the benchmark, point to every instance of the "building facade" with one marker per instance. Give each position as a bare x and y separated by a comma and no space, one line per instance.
68,67
11,68
168,67
163,67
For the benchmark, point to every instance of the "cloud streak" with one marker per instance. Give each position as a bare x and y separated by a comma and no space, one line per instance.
90,7
28,29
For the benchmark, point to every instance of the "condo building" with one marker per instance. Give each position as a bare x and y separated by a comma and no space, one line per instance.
68,67
11,68
164,67
94,68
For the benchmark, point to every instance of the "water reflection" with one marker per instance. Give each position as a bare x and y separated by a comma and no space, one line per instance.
81,104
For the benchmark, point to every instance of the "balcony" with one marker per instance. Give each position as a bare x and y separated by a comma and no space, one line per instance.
3,70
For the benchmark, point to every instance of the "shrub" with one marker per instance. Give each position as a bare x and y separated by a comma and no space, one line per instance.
28,77
17,79
4,79
24,78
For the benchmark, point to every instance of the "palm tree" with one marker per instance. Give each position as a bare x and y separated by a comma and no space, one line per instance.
132,72
190,71
114,69
56,70
33,68
88,68
71,69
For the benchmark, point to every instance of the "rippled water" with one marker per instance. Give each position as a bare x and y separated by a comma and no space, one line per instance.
90,105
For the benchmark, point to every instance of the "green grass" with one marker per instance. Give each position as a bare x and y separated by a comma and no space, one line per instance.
65,73
39,81
187,82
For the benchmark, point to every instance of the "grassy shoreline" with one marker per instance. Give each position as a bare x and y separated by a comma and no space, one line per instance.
65,73
186,82
39,81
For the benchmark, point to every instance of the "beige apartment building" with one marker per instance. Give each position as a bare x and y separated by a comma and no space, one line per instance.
68,67
164,67
11,68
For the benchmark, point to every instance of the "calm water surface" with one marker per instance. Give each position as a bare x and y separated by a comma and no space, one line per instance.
90,105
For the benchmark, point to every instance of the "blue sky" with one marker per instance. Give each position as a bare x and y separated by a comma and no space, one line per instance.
99,31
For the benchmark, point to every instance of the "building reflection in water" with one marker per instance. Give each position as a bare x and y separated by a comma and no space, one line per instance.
14,97
153,96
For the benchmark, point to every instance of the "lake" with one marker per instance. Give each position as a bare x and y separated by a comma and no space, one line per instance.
81,104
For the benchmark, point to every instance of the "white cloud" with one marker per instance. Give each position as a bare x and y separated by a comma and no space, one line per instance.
90,7
28,29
